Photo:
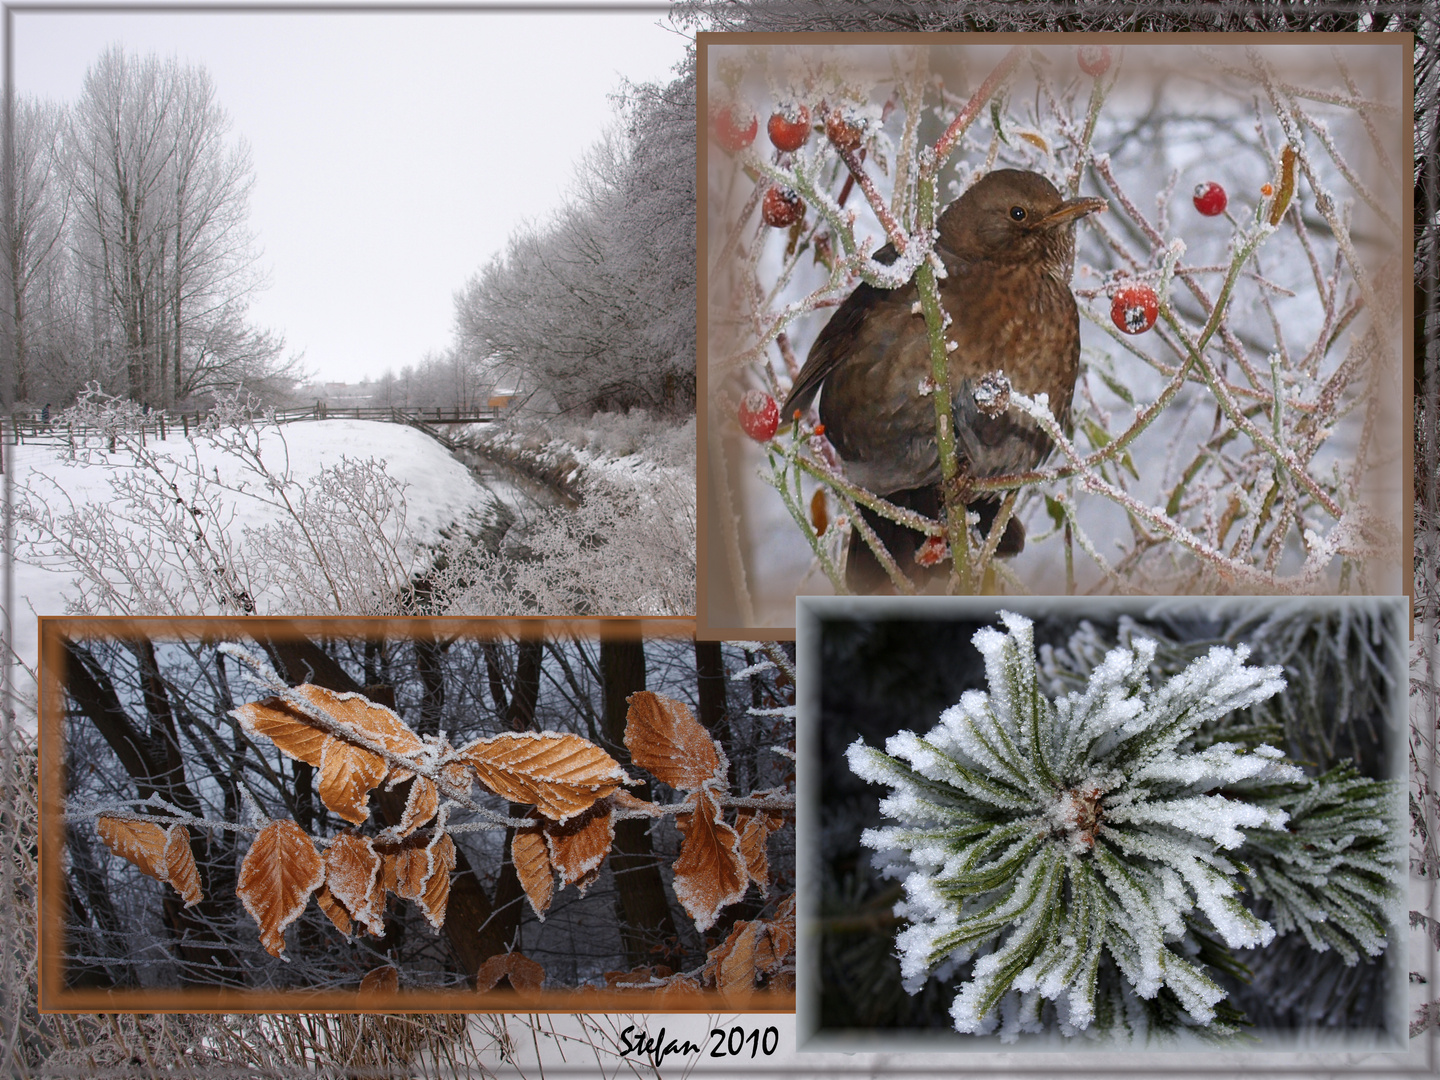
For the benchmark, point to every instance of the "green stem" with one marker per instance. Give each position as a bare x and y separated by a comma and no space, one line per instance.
956,528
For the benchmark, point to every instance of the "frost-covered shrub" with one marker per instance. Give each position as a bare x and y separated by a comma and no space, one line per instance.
1079,861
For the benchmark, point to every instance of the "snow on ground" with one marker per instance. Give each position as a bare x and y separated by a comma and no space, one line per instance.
438,492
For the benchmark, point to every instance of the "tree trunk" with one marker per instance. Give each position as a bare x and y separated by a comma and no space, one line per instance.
647,927
155,769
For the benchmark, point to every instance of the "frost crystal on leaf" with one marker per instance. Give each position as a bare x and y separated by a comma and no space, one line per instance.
1076,853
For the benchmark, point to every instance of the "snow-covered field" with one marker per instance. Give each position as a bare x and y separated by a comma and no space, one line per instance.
438,491
132,511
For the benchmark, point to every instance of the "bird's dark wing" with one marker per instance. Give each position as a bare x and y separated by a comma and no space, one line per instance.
832,347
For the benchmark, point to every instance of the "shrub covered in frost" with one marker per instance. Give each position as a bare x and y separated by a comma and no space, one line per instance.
1081,861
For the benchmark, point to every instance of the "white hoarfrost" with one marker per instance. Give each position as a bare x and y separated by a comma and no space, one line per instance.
1066,848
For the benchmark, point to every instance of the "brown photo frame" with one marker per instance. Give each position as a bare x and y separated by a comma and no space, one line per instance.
291,644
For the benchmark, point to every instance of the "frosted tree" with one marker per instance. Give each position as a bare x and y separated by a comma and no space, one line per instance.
1080,862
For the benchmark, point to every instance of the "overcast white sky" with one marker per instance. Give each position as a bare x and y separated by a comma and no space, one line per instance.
393,153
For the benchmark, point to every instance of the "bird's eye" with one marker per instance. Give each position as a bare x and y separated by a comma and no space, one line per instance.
1017,213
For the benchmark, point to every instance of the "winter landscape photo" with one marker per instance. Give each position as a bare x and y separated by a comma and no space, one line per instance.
1100,826
340,815
1214,229
251,378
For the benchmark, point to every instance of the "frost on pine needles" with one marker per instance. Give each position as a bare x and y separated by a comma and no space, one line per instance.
1081,854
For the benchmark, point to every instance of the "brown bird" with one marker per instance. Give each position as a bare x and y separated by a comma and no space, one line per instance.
1008,247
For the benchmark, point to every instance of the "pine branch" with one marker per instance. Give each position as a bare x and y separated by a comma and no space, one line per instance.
1085,856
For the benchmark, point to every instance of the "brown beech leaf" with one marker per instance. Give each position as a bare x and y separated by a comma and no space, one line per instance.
734,960
358,712
412,868
292,731
280,871
531,856
163,854
389,873
380,980
435,894
420,806
352,874
710,872
581,844
180,870
141,842
561,775
524,973
334,909
755,827
347,773
666,740
458,775
589,879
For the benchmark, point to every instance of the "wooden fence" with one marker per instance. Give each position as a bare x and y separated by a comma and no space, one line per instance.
34,427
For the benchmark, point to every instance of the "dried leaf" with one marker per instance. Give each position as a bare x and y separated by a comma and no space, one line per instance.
435,895
347,773
561,775
755,827
293,732
412,869
359,713
524,973
141,842
754,830
280,871
380,980
352,874
458,775
334,909
580,845
666,740
772,946
1286,190
180,869
389,876
531,856
583,885
733,961
819,512
163,854
1035,139
420,806
710,872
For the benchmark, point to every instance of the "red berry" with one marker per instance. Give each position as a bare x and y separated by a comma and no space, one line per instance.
932,552
759,415
844,128
1134,308
735,127
781,207
1094,60
1210,198
789,127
